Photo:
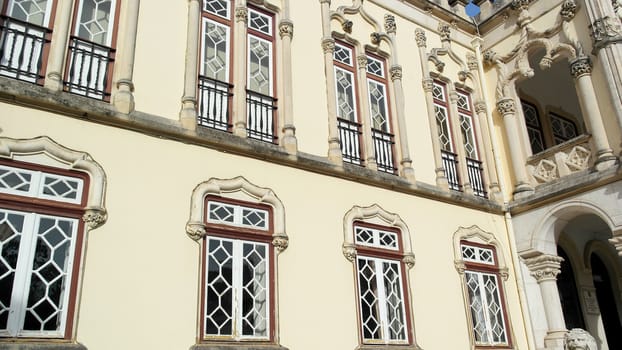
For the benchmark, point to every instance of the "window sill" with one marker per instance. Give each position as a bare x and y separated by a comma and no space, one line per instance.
39,345
388,347
234,346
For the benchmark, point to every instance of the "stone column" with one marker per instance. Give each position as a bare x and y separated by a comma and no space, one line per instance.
58,45
458,141
328,45
483,139
507,108
288,140
368,150
123,99
188,113
581,70
545,268
239,69
428,84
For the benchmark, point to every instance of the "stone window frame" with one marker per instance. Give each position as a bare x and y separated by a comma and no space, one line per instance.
238,190
44,154
477,237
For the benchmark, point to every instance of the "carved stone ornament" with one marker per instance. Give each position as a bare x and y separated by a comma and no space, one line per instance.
544,267
94,217
280,243
520,5
195,231
347,26
375,38
389,24
580,66
462,75
569,9
409,260
241,14
605,30
428,85
444,30
349,251
545,171
396,72
460,266
617,7
579,339
480,107
471,62
362,61
489,57
328,45
420,37
545,63
506,106
286,29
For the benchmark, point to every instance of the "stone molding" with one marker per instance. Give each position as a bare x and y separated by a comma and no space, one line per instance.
569,10
40,345
506,106
544,267
389,24
420,37
605,31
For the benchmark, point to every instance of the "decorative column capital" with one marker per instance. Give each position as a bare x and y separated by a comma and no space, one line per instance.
420,37
544,267
389,24
453,95
520,5
349,251
409,260
195,230
241,14
328,45
580,66
362,61
396,72
506,106
286,29
94,217
605,31
490,57
280,243
480,107
569,9
444,30
428,84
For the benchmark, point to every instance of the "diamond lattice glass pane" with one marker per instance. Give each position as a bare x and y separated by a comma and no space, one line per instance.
255,218
260,22
217,7
343,54
463,102
563,130
215,51
221,212
95,21
61,187
536,140
368,298
442,123
438,92
531,115
219,295
394,301
254,290
31,11
11,229
375,67
387,239
364,235
345,95
378,106
14,179
476,305
495,311
259,65
466,126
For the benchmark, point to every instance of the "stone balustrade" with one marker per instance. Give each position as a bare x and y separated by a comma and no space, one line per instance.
561,160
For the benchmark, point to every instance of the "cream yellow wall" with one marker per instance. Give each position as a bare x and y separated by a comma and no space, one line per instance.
141,270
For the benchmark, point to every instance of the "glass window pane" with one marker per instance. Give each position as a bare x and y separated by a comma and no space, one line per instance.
215,60
396,320
219,294
254,290
378,106
259,65
95,21
346,108
368,298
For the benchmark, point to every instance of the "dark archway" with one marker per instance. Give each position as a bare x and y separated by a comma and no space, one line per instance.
606,303
568,294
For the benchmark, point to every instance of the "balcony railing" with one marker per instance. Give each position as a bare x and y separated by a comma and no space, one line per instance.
350,140
475,170
561,160
214,104
383,150
450,164
260,120
89,69
22,48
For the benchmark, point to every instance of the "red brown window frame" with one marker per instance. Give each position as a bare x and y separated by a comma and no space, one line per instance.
493,270
51,207
245,234
388,254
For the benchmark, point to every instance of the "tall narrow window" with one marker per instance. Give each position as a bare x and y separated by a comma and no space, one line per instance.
441,113
260,100
347,104
382,298
24,38
40,247
214,102
238,272
485,294
474,165
379,114
563,129
534,127
92,48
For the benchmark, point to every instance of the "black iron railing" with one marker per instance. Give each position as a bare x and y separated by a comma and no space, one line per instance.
214,103
89,69
383,150
475,170
260,122
350,140
22,48
450,164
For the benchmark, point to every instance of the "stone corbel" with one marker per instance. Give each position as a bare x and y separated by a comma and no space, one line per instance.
195,230
409,260
94,217
604,32
349,251
280,243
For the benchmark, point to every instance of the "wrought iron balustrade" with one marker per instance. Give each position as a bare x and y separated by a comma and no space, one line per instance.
22,49
475,170
89,69
350,140
261,110
383,150
214,103
450,164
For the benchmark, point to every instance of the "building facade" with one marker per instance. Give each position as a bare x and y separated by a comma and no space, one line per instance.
459,161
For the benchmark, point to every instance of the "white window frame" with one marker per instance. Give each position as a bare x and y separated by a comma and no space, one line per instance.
111,22
37,185
205,21
352,89
46,17
270,66
238,215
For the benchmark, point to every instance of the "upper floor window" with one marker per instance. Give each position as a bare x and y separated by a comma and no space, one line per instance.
563,129
534,127
467,127
548,132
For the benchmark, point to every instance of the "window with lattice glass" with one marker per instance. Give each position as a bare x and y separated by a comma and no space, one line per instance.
237,302
38,250
466,125
345,85
382,300
534,127
485,295
563,129
441,114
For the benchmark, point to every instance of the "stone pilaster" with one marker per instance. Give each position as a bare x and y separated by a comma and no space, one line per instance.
288,140
188,113
123,99
239,69
58,46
